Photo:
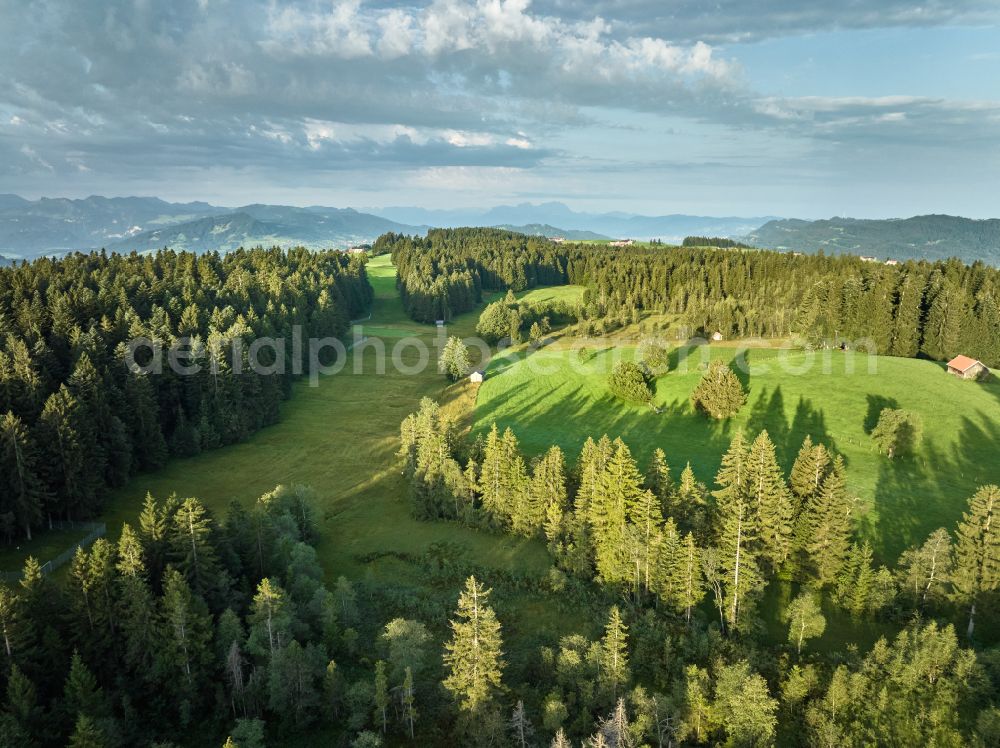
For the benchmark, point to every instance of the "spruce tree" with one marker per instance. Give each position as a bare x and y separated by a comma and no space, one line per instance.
773,503
826,525
614,672
86,734
737,528
20,475
547,498
720,393
691,504
186,632
619,493
659,481
473,655
977,550
191,546
810,468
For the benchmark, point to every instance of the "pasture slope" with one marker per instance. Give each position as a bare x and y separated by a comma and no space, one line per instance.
340,438
547,397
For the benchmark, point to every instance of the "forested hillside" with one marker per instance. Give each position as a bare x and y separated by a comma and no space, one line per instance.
934,309
75,420
934,237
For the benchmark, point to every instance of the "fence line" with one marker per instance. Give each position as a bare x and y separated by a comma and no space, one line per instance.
97,530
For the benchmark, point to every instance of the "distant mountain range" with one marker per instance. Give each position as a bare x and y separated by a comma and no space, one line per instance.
551,232
669,228
31,228
933,237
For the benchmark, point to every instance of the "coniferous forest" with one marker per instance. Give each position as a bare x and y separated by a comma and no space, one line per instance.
915,308
75,421
701,606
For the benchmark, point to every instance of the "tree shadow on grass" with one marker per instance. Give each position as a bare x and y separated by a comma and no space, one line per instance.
876,404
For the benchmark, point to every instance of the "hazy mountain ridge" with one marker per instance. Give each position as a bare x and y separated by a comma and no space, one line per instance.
551,232
929,237
267,225
669,228
55,226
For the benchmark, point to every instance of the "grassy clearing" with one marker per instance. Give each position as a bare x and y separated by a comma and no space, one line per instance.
340,438
553,294
548,398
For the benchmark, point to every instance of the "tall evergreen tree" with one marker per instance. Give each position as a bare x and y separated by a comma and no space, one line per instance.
21,484
473,655
737,528
826,525
773,502
614,672
977,550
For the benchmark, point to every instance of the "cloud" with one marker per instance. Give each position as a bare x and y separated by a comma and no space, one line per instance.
450,91
749,20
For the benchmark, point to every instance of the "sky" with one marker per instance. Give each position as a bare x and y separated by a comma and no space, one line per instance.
867,108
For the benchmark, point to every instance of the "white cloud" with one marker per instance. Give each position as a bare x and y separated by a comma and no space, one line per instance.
32,155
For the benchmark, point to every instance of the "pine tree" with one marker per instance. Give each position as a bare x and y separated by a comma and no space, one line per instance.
472,655
614,671
697,716
856,579
494,480
68,446
560,740
732,475
692,587
773,503
977,550
81,694
10,623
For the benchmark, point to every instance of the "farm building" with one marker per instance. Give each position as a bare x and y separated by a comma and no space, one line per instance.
717,336
477,376
967,368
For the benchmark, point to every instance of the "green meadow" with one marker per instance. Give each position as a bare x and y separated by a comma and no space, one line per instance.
339,438
549,397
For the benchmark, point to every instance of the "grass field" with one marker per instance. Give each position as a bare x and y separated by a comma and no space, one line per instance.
339,438
547,398
550,294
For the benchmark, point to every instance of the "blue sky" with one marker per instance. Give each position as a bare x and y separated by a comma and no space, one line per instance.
738,107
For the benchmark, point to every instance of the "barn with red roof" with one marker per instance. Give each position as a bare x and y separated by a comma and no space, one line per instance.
967,368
